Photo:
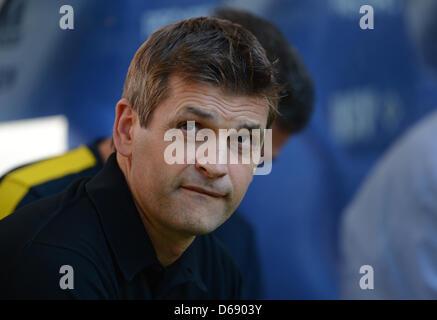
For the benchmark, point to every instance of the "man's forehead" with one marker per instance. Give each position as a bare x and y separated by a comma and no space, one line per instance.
210,114
213,104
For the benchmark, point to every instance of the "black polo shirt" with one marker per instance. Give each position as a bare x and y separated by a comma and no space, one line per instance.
94,228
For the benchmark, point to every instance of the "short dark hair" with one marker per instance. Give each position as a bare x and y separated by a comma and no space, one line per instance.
202,50
297,96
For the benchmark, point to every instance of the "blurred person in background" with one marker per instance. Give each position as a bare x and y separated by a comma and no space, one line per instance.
28,183
391,224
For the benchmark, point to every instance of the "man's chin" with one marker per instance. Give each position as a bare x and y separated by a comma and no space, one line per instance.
203,225
205,228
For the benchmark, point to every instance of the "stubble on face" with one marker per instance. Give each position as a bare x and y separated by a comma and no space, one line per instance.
159,188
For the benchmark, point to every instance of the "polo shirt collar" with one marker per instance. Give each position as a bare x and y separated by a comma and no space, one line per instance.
189,263
125,231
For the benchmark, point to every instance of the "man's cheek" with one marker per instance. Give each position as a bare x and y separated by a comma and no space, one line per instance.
241,182
249,171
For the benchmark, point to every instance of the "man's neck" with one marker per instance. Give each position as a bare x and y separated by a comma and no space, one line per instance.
168,245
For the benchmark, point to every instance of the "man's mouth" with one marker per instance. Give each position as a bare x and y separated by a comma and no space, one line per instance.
203,191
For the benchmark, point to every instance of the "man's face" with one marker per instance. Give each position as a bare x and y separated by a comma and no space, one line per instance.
191,198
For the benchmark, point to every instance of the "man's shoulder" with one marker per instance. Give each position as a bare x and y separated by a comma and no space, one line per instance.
46,271
66,221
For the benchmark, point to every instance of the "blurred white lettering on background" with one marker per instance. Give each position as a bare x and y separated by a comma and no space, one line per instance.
366,281
67,20
366,21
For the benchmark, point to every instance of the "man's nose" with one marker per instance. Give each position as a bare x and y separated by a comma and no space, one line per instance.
211,170
217,169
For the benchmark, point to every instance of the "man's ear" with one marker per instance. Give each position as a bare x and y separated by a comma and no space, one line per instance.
124,125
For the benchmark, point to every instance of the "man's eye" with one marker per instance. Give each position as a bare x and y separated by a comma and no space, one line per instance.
244,139
241,141
188,126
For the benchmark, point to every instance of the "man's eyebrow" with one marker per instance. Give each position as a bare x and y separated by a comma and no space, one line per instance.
211,115
200,113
